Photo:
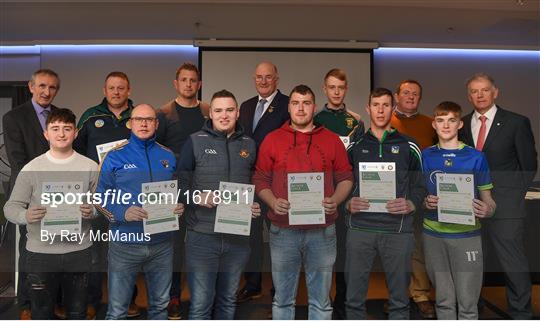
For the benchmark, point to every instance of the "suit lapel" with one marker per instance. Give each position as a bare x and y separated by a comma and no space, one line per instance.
496,127
273,105
36,125
467,131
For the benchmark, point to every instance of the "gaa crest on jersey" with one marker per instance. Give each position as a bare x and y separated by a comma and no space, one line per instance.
128,125
244,153
395,149
165,163
448,162
349,122
99,123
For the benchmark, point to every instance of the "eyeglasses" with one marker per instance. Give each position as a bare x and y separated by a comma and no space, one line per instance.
143,119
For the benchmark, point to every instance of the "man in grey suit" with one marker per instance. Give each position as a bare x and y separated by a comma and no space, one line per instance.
507,141
24,139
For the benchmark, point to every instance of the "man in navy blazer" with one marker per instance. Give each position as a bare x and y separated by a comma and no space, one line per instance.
259,116
507,141
24,139
275,108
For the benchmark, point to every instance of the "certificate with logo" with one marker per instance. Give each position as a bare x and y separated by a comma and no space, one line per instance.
159,201
103,149
306,193
377,184
456,194
233,214
63,213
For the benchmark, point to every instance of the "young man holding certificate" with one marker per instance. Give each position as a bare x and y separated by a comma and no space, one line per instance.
302,174
58,236
131,178
215,168
459,192
389,187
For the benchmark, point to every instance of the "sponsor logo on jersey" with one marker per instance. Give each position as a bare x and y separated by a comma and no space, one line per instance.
349,122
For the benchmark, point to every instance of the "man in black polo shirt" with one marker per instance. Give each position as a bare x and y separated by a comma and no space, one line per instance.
178,119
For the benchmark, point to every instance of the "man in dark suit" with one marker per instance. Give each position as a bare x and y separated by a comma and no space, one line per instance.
507,141
259,116
24,139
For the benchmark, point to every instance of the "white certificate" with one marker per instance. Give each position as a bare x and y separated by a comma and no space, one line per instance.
306,193
456,193
64,216
346,140
160,202
377,184
103,149
233,214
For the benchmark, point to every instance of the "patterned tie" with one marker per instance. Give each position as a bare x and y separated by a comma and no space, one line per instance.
45,113
258,113
481,134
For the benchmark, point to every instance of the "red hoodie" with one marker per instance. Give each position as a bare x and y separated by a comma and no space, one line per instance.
286,150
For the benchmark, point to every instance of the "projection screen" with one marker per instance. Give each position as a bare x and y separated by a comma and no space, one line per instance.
233,69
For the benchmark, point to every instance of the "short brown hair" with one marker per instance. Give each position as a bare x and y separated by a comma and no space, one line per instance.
224,94
447,107
44,71
379,92
336,73
188,66
409,81
303,90
62,115
118,74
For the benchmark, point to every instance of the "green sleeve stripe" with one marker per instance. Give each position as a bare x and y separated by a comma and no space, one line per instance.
485,187
416,152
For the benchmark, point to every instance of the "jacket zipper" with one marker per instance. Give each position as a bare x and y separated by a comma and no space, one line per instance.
228,160
148,161
383,138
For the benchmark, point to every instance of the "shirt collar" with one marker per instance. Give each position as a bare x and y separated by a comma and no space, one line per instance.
340,109
270,98
490,114
38,108
402,115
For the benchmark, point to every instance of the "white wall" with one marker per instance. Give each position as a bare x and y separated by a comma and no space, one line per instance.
82,70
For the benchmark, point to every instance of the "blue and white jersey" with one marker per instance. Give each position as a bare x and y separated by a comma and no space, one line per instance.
463,160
